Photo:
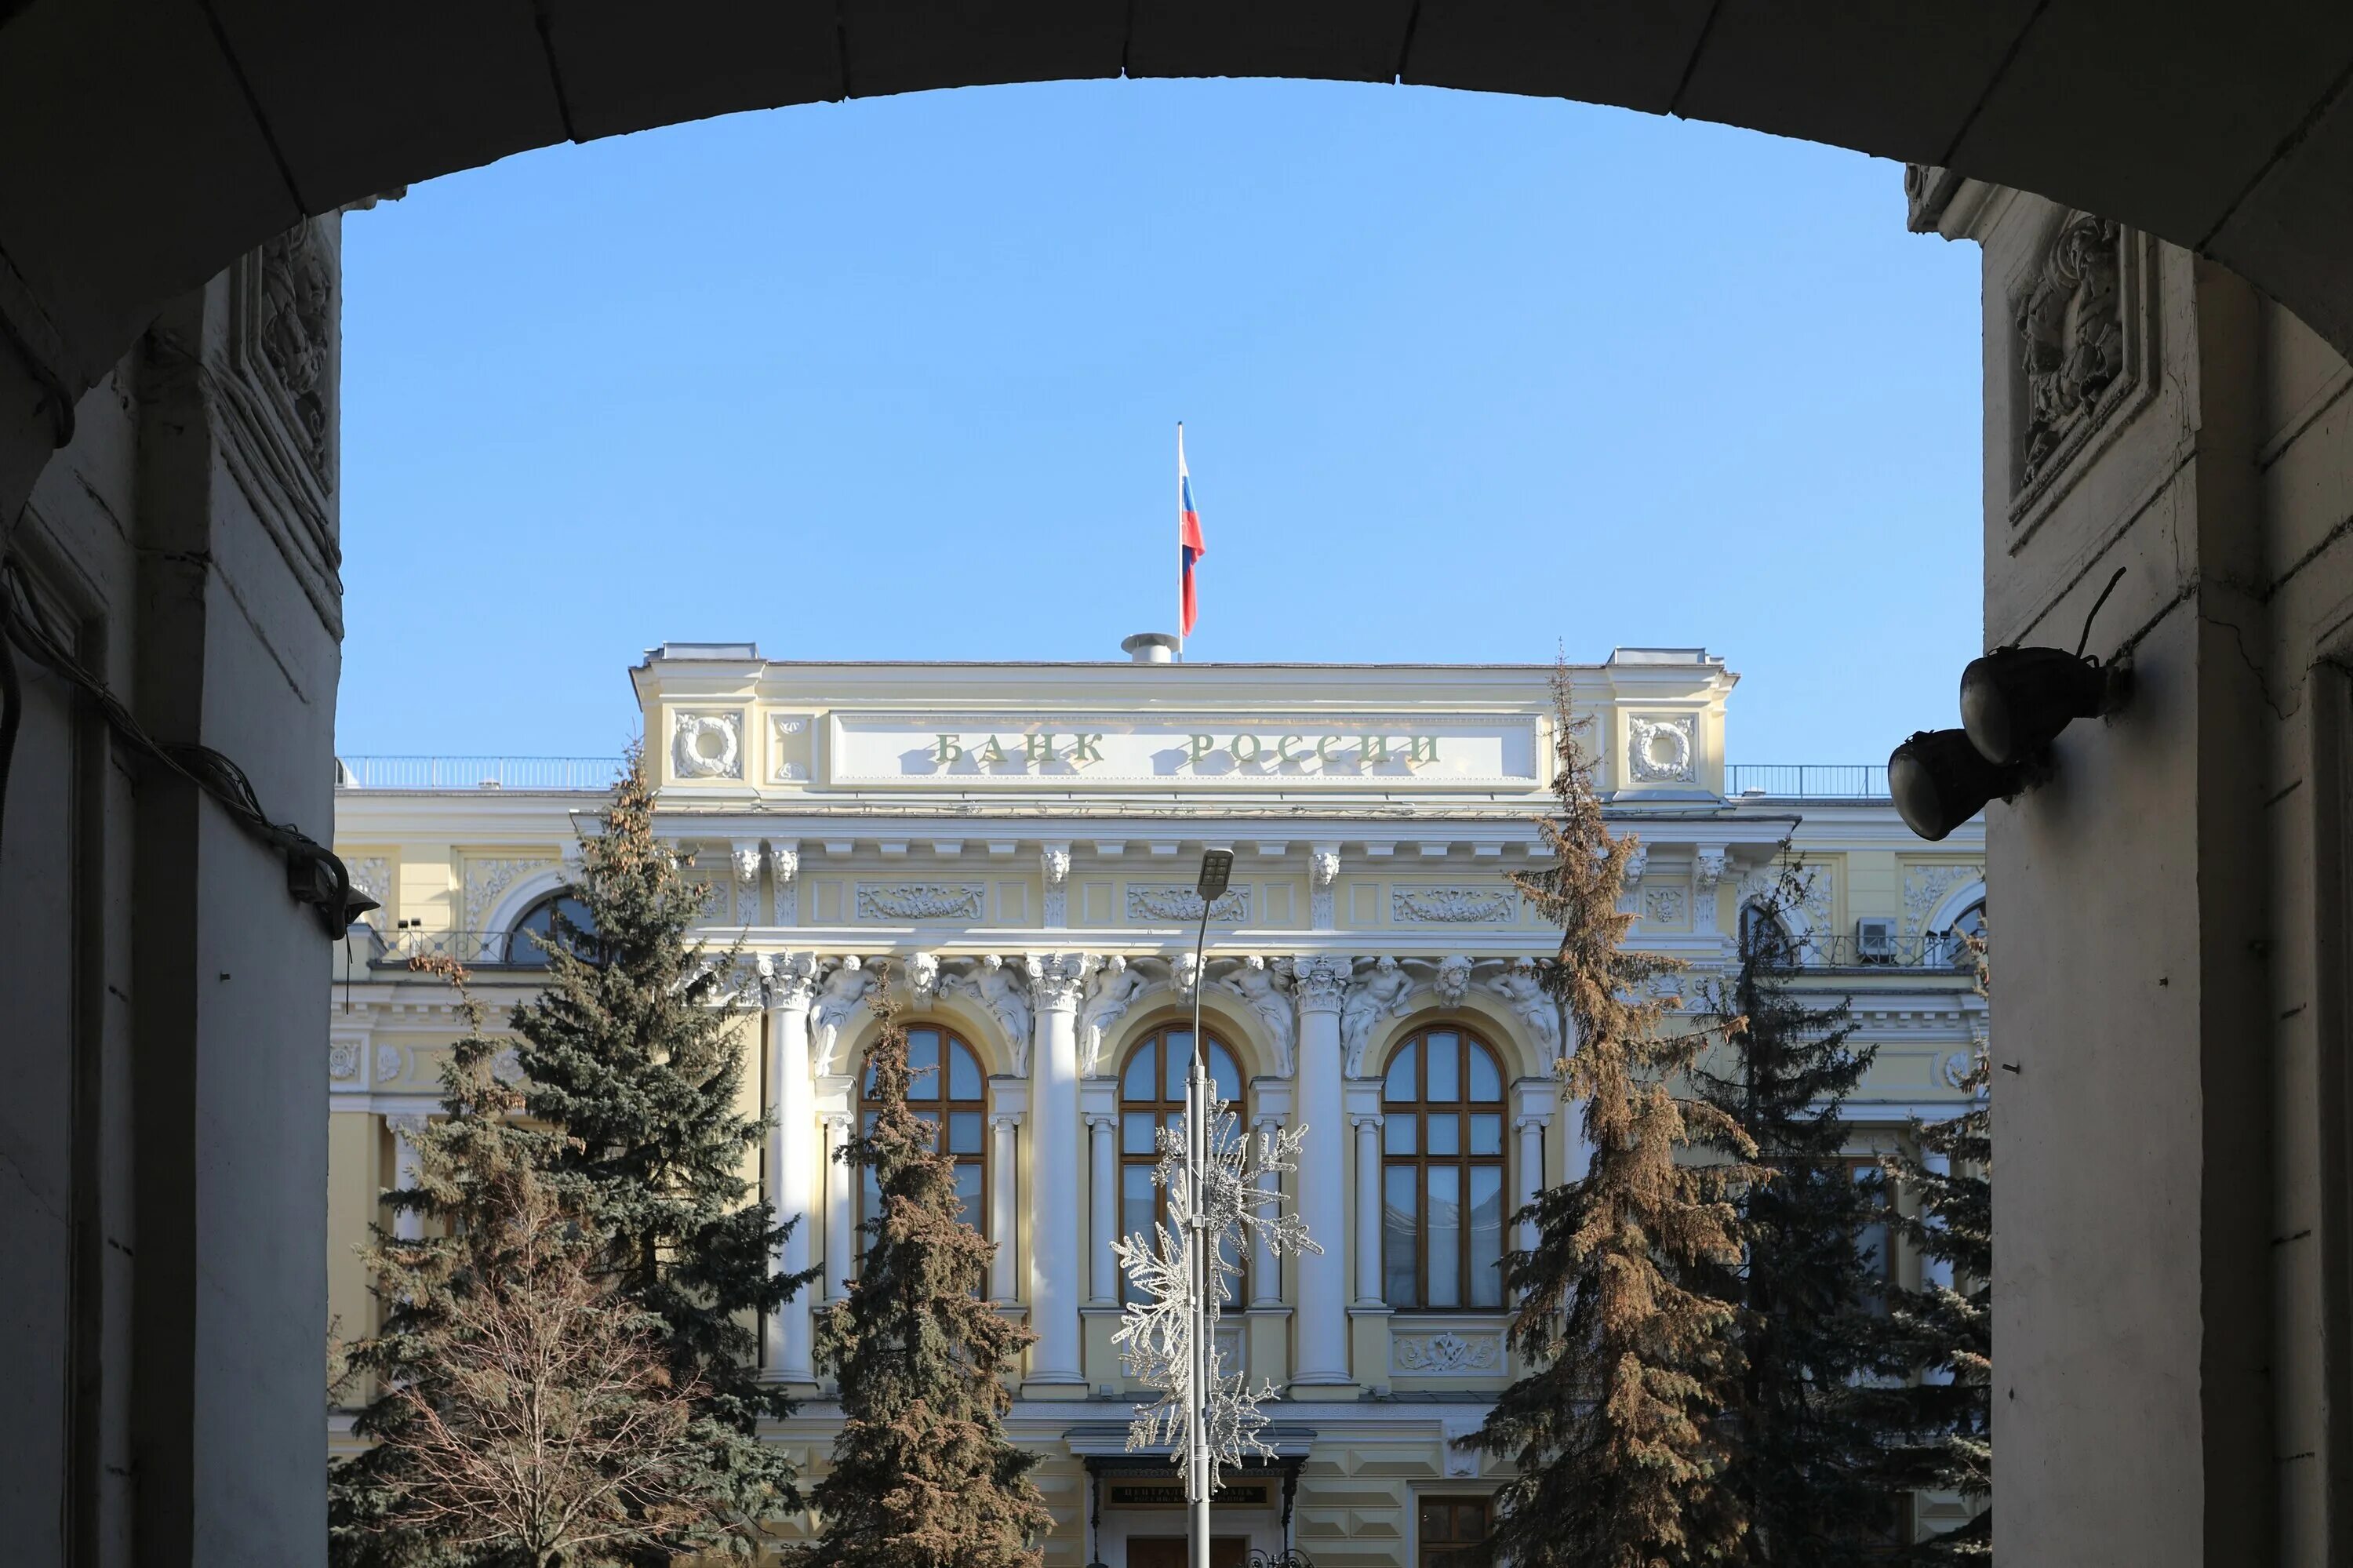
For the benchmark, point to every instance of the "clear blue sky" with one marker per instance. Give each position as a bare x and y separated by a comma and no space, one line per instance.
1463,378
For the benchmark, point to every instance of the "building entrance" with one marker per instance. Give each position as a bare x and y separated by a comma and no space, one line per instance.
1168,1551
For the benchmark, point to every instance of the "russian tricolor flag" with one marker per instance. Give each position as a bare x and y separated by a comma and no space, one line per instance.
1189,548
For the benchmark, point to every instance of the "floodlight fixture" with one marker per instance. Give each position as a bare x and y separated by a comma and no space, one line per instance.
2015,701
1939,781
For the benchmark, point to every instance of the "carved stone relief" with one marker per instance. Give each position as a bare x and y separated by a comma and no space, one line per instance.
1166,905
783,875
708,744
343,1060
1927,886
1322,870
372,875
1664,907
389,1064
487,879
2081,352
782,727
1450,906
1054,860
1659,749
1435,1355
921,901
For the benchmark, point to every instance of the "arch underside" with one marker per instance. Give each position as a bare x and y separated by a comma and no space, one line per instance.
153,142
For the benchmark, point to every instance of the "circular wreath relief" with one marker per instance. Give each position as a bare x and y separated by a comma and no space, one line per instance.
707,747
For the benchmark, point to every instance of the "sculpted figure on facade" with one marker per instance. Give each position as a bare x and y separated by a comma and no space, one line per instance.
1055,862
1260,986
1323,873
997,987
840,994
1112,991
1377,992
921,973
1519,987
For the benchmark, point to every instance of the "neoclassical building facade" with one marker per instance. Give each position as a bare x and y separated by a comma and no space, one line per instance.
1015,846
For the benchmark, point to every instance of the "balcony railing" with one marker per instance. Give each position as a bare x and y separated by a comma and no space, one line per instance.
1809,781
1942,951
475,949
476,772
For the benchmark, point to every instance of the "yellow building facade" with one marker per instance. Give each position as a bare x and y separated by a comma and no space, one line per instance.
1017,844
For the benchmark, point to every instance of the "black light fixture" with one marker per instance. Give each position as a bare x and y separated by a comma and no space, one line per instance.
1217,870
2015,701
1940,781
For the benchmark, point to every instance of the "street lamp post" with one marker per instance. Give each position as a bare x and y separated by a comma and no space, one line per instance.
1217,870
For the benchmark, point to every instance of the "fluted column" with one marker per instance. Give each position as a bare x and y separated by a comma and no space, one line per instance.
407,1224
791,1097
1528,1180
1003,1222
1057,981
1368,1211
1321,1356
841,1206
1102,1207
1266,1268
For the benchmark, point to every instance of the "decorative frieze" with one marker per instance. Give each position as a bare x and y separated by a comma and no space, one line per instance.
1660,749
966,900
707,744
1664,907
372,875
1176,905
1451,906
1925,888
488,879
1445,1354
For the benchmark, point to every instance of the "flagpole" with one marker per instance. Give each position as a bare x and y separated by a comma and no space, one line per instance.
1180,541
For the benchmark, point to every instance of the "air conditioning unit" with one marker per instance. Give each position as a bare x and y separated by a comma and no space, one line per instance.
1874,939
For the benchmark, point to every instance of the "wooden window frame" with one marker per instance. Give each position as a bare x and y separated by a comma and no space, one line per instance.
1451,1551
1419,1109
941,1104
1153,1039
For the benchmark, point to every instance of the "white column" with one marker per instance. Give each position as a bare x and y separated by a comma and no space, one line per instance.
1003,1223
1529,1178
1368,1211
1266,1268
841,1206
792,1097
1102,1207
1320,1356
1056,981
407,1224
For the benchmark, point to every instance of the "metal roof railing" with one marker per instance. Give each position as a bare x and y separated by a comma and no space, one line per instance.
1809,781
476,772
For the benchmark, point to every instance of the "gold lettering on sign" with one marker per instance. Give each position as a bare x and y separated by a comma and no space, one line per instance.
991,752
949,751
1256,747
1083,749
1036,746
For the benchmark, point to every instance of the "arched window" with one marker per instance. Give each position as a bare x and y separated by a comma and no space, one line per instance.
1442,1173
945,1088
538,925
1152,1096
1765,934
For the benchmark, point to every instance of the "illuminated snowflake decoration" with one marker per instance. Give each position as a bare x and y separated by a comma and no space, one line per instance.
1240,1202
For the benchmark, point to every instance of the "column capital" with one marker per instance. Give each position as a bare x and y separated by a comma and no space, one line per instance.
1059,980
1107,1119
1365,1121
1005,1118
1322,981
1533,1118
839,1122
789,979
407,1125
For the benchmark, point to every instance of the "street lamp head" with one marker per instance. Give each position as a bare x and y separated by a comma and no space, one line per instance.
1217,870
1940,781
2015,701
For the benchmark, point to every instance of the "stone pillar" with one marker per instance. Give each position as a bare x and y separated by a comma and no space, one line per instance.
1320,1356
1057,981
841,1207
1004,1226
1102,1207
792,1096
407,1224
1530,1175
1368,1211
1266,1269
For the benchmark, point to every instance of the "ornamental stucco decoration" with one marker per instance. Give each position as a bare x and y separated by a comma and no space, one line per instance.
781,725
1002,992
1956,1067
1377,991
921,973
790,980
707,744
784,876
1445,1351
1927,886
388,1063
1450,906
2070,326
1707,868
922,900
1452,981
1175,904
1112,991
1664,907
487,879
1659,749
1525,994
372,875
840,994
1322,870
1262,987
343,1060
1054,860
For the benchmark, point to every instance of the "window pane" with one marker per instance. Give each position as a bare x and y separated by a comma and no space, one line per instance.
1486,1079
1444,1236
923,1064
1135,1133
964,1132
1225,1075
933,1118
963,1074
1396,1133
1136,1212
873,1209
1445,1130
1400,1217
1486,1236
1178,1046
1138,1083
1486,1133
967,1178
1445,1066
1402,1086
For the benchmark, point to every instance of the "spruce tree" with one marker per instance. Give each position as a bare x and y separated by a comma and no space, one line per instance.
1937,1349
1618,1458
923,1474
1802,1447
521,1414
633,1051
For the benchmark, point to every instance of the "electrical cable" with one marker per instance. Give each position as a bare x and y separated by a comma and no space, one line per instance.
314,874
2105,592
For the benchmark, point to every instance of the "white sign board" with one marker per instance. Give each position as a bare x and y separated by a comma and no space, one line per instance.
1374,752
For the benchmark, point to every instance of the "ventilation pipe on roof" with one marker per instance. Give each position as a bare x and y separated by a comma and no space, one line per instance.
1151,648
